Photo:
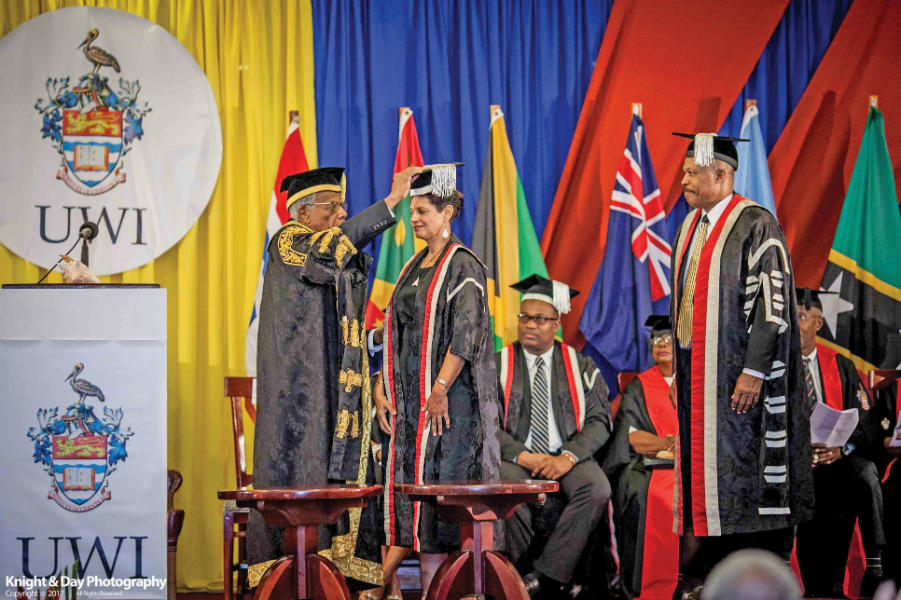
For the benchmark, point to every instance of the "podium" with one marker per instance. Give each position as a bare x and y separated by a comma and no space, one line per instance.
83,372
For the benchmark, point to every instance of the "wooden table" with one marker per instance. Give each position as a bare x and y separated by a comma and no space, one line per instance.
299,511
477,568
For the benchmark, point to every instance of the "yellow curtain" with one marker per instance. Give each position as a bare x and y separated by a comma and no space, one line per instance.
258,57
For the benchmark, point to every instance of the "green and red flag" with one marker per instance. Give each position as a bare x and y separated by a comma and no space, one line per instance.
864,267
503,235
398,242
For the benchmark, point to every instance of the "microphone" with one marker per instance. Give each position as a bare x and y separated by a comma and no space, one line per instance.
87,232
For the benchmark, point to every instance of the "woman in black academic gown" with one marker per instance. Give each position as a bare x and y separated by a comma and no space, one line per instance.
438,397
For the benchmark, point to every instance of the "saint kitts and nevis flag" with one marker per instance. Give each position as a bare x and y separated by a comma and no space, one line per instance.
293,160
633,280
864,266
398,242
503,236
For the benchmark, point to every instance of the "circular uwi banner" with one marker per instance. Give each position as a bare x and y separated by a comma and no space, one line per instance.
105,118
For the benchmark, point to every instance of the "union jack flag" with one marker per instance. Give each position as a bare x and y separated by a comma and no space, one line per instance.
633,280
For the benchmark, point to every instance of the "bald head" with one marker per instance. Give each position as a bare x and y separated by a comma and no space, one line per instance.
751,575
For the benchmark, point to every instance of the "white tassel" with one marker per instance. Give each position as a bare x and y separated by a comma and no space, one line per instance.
704,149
561,297
444,180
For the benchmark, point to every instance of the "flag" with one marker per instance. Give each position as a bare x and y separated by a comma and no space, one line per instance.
293,160
752,179
398,242
633,280
503,236
863,264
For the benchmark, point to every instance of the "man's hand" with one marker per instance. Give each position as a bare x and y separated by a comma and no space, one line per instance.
400,186
554,468
378,336
747,393
382,406
436,407
531,461
825,456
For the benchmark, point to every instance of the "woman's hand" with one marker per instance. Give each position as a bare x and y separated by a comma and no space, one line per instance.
382,406
436,407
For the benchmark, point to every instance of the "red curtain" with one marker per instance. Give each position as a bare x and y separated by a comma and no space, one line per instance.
812,161
686,67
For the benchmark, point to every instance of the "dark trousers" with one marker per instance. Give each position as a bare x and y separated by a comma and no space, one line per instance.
699,554
846,491
892,496
587,491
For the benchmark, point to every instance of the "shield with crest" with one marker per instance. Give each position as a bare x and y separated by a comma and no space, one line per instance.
92,143
79,465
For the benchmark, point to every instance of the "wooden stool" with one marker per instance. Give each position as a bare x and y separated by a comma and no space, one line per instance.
476,568
300,511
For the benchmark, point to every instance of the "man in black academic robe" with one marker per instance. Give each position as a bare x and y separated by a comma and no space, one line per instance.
886,413
555,417
744,464
313,389
846,482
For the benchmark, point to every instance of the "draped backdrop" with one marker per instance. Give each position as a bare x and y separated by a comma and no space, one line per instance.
565,82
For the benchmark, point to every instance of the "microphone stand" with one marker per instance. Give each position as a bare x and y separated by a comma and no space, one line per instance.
83,254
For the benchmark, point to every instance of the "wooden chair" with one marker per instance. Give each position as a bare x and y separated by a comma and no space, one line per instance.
623,379
174,522
239,391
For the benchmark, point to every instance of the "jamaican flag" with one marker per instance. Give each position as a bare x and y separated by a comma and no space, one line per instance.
503,235
398,242
864,265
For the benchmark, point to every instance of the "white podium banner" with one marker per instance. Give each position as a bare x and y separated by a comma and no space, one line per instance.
84,460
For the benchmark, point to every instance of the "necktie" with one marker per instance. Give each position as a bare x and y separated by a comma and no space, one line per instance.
686,304
540,401
810,390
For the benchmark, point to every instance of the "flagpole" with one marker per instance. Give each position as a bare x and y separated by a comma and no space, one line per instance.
293,117
636,109
750,103
873,101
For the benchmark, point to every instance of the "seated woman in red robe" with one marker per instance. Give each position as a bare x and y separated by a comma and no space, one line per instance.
643,500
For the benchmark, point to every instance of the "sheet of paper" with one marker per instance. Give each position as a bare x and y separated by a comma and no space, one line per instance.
896,435
832,427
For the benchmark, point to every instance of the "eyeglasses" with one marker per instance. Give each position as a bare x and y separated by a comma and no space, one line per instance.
334,205
662,340
539,319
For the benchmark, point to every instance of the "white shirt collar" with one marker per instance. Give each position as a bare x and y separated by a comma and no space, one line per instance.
714,214
531,358
811,356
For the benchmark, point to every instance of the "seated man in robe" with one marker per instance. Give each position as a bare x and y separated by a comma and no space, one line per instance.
846,484
643,499
886,412
555,418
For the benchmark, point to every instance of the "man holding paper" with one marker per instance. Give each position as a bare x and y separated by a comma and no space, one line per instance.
846,485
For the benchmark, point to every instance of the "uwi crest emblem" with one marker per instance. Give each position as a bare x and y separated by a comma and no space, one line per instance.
79,450
91,126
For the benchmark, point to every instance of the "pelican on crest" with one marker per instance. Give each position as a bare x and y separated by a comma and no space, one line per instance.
83,387
98,56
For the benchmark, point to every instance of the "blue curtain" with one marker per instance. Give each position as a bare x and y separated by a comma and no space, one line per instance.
449,61
788,62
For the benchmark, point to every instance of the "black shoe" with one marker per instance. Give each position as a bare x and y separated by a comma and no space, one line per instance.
576,591
532,583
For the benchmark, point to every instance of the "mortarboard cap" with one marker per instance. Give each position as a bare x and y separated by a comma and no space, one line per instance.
811,298
705,147
659,324
555,293
439,180
326,179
